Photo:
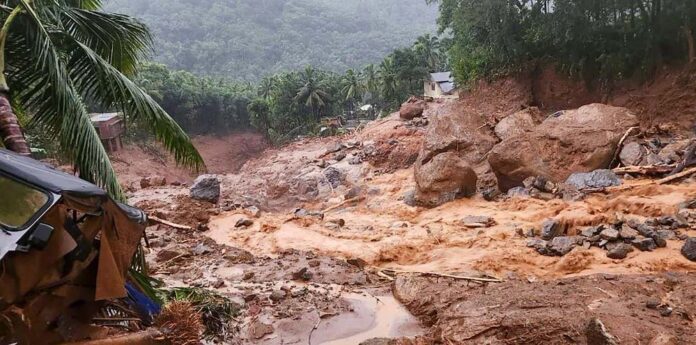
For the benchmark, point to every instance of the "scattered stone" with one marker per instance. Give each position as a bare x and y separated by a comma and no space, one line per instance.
302,213
666,311
355,160
603,243
631,154
357,262
689,249
602,178
278,295
334,176
206,188
302,274
244,222
259,329
334,148
539,245
519,192
153,181
248,276
338,221
644,244
620,251
340,156
597,334
627,232
412,108
478,221
201,249
562,245
591,231
254,211
550,229
652,303
167,255
353,193
609,234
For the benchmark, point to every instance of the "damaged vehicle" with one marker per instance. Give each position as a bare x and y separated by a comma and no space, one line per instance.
65,250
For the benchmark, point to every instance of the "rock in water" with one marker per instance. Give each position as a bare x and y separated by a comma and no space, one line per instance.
550,229
413,108
562,245
206,188
443,179
597,179
579,140
620,251
689,248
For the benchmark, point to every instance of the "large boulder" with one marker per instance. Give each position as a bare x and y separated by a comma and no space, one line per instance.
462,138
412,108
206,188
580,140
443,179
517,123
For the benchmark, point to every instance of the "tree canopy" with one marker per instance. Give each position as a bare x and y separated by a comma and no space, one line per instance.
593,39
247,40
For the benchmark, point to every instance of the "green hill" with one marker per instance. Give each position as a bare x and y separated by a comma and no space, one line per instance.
247,39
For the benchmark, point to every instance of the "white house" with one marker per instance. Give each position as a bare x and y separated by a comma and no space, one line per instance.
441,85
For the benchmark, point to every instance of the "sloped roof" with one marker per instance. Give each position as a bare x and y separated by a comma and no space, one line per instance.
441,77
447,86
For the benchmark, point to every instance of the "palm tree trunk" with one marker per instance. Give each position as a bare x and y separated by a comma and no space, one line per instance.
10,132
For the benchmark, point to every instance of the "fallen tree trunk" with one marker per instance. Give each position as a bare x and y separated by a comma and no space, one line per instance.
646,170
156,220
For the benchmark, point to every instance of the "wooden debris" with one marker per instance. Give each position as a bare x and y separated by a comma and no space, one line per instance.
689,158
679,176
646,170
153,219
444,275
358,199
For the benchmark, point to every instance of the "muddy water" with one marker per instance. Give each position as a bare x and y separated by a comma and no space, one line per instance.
372,317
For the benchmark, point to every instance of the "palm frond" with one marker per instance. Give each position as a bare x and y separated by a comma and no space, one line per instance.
41,83
118,39
96,79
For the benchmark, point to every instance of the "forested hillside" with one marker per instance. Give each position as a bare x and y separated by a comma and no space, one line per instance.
245,39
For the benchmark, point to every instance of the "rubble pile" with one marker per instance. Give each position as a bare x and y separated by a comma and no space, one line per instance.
618,239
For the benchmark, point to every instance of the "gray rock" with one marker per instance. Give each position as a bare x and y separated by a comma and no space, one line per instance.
519,192
334,176
335,148
353,193
539,245
644,244
301,213
483,220
591,231
689,249
632,154
620,251
550,229
627,232
254,211
340,156
206,188
278,295
609,234
596,334
244,222
562,245
201,249
602,178
666,234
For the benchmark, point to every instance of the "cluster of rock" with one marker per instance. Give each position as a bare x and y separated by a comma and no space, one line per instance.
540,187
353,151
653,152
618,239
463,153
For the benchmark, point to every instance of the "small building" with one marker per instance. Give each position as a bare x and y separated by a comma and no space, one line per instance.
441,85
111,128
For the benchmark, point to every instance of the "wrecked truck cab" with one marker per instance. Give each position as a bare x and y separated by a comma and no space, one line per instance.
64,244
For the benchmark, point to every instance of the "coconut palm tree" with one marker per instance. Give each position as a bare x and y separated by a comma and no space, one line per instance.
388,80
370,78
352,87
266,87
428,47
55,57
312,93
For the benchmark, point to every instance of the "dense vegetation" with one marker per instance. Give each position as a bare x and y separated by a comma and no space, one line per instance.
593,39
291,103
247,40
